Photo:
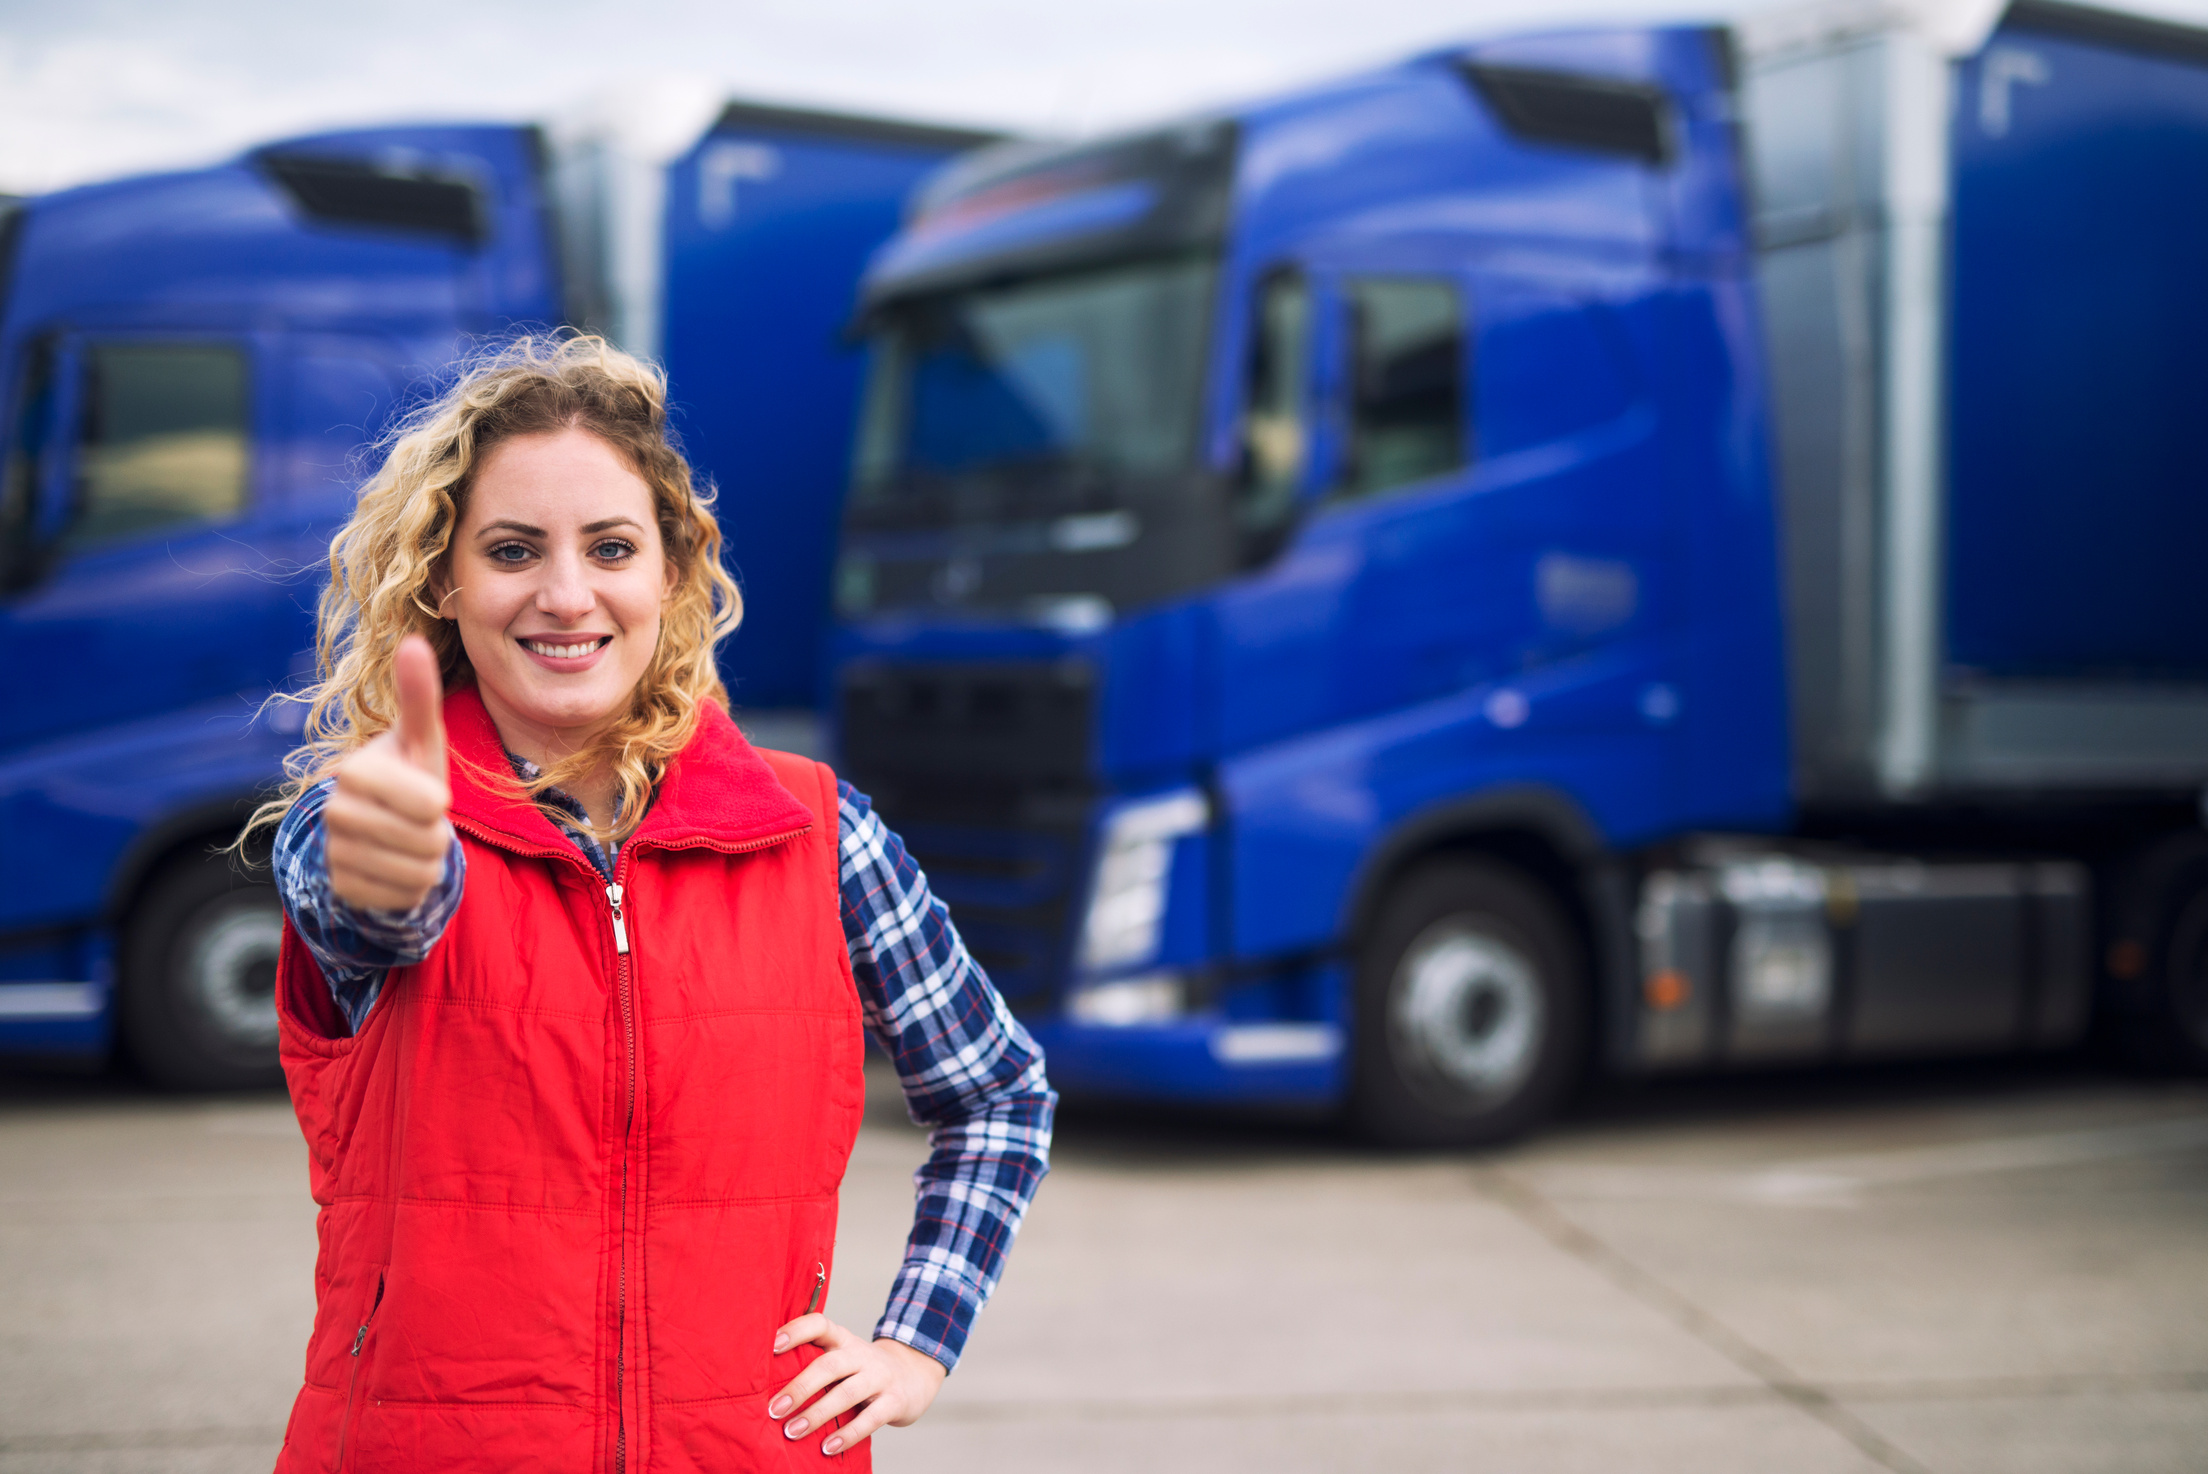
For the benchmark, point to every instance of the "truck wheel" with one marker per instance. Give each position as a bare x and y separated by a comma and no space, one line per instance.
198,994
2157,960
1471,1009
2185,978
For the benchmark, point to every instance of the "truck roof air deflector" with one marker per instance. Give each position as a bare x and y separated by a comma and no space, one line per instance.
356,192
1600,114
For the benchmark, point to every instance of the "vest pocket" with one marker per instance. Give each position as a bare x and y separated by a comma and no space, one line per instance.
352,1377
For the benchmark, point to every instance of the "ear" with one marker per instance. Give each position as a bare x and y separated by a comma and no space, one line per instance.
441,589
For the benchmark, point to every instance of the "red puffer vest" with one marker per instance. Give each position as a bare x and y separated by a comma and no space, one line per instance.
578,1165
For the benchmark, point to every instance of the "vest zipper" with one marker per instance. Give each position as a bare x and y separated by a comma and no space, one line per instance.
820,1283
352,1380
620,932
624,992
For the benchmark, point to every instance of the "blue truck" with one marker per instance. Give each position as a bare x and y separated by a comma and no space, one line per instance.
191,368
1644,549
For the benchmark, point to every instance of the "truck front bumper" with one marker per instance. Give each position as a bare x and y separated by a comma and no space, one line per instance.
1198,1059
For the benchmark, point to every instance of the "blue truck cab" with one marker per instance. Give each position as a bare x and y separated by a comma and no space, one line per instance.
192,364
194,368
1655,548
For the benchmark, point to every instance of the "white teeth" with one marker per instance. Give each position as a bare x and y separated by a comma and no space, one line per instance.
561,652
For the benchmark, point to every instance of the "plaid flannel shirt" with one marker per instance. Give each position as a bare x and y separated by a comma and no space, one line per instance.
970,1072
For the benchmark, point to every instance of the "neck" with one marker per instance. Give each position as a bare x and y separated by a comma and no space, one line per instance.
547,746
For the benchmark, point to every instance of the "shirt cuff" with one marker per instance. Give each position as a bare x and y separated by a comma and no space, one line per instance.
934,1302
406,937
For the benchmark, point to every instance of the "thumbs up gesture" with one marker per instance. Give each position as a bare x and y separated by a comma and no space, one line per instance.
385,820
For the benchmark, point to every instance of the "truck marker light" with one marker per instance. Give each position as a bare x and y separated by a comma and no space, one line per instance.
1667,989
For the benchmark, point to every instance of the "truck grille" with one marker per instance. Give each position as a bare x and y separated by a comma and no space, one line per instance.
984,772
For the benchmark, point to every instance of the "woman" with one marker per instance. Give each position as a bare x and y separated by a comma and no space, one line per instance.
574,979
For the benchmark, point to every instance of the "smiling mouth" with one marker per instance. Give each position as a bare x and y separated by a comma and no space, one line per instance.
571,651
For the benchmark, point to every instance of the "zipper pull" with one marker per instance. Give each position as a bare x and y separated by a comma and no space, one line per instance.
820,1283
359,1337
620,932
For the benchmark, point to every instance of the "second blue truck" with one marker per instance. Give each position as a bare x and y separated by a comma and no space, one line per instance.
1657,548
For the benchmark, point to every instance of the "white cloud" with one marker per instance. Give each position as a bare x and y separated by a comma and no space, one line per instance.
103,87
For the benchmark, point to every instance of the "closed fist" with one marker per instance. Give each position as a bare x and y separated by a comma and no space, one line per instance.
385,820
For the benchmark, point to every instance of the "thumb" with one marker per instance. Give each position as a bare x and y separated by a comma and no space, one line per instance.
421,726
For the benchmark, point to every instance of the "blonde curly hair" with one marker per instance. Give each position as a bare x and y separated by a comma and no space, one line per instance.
386,559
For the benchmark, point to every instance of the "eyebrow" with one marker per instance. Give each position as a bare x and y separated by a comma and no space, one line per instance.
526,530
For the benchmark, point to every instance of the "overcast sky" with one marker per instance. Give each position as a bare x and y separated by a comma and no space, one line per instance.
94,88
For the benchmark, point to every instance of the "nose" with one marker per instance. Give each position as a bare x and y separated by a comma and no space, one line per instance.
564,593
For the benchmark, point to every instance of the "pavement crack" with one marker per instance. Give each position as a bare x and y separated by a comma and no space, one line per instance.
2046,1384
1546,1219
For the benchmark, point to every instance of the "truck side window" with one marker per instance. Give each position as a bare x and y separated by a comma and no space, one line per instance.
1407,383
1275,438
163,441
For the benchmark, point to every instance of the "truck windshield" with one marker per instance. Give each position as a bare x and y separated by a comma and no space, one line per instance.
1089,374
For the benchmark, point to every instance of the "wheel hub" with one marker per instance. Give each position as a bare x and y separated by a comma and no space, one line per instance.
1468,1007
232,972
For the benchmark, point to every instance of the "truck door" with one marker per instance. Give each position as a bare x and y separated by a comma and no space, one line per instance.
1415,623
1477,547
1500,477
134,586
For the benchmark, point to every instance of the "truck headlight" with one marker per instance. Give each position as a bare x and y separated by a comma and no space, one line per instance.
1134,872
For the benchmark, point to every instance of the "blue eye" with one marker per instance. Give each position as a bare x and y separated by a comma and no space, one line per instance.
613,550
509,553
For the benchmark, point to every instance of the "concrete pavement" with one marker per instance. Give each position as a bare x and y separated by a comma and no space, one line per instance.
1992,1268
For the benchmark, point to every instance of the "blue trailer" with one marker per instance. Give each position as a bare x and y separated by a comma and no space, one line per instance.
1654,548
190,367
770,219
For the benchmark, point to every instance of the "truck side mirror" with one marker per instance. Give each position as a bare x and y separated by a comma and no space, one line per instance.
29,467
1274,450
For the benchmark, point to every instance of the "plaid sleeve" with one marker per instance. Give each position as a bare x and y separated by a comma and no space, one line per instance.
969,1071
355,946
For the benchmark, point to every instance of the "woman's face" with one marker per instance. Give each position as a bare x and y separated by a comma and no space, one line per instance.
556,579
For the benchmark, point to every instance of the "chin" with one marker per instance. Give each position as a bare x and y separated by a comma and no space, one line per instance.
563,709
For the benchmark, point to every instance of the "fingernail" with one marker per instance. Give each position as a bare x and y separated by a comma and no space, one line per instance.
782,1340
832,1446
795,1428
778,1407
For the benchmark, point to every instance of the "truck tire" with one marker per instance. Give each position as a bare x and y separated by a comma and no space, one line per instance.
2157,957
1471,1009
2185,977
198,978
2170,1029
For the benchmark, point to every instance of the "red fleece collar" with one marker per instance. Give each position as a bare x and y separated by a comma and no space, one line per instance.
716,790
